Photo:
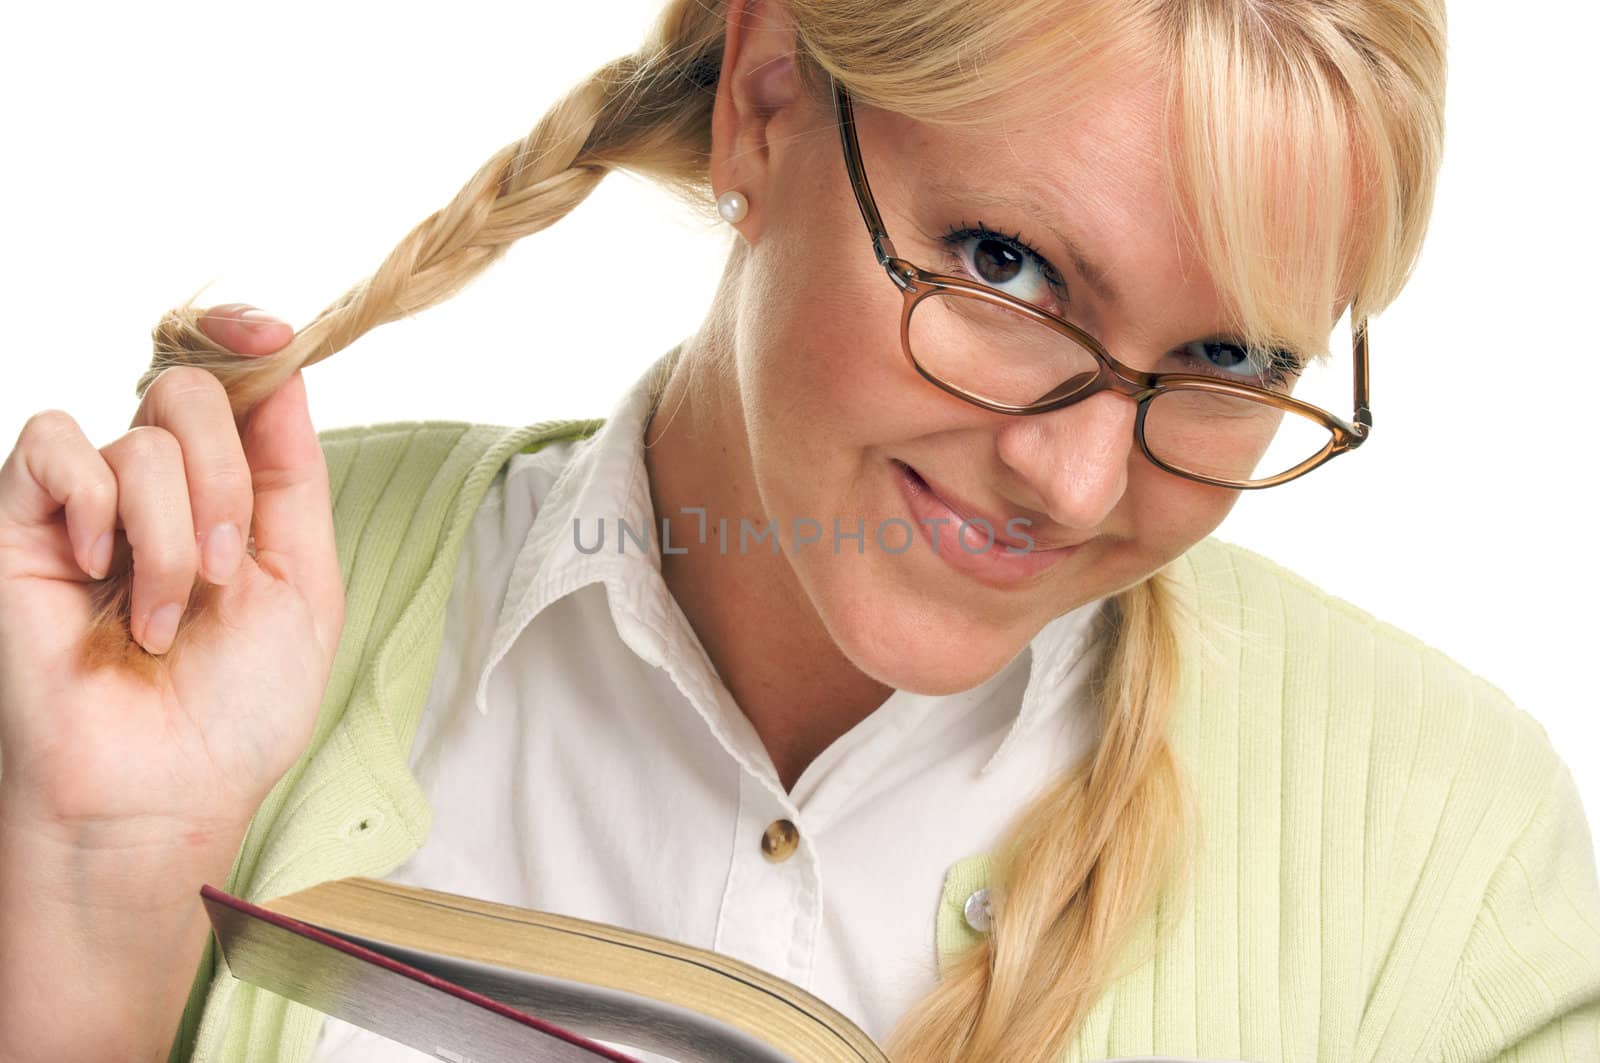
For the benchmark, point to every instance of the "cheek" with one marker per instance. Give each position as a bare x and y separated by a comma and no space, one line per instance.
823,372
1171,514
822,375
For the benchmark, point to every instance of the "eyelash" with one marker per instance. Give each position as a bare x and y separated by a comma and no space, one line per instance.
1285,366
955,236
1282,367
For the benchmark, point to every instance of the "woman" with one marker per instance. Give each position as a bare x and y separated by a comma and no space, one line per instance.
1195,878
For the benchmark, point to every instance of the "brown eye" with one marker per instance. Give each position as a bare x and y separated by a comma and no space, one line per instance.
995,262
1007,264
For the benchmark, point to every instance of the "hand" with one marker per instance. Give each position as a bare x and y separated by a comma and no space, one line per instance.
176,736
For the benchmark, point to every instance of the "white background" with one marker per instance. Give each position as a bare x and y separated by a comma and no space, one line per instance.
278,152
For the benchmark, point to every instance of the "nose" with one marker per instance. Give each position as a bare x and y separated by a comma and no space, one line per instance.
1075,459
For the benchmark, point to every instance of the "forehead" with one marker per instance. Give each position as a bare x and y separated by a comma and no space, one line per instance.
1109,128
1093,166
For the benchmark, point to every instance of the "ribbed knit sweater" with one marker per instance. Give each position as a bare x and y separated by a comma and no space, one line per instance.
1392,862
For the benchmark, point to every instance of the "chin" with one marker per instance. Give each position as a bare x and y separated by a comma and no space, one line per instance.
918,646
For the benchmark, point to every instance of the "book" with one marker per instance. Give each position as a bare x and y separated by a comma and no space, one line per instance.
473,981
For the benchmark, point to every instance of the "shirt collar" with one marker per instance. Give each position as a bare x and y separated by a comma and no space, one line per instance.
605,481
1059,664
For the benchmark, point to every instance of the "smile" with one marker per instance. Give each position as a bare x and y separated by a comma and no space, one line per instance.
994,555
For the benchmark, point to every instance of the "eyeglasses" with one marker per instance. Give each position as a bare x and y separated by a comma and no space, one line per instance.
1004,354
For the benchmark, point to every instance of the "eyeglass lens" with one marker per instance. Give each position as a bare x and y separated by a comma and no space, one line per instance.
1007,357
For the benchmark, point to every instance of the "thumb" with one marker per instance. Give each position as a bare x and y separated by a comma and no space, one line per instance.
243,329
293,516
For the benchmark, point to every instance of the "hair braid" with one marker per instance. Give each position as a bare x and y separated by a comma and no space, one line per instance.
1084,862
649,112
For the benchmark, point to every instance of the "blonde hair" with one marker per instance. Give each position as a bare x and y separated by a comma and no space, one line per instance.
1338,103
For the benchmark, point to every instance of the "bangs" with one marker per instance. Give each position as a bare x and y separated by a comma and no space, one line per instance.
1304,139
1278,178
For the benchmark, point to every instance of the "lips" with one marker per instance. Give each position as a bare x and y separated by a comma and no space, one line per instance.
975,516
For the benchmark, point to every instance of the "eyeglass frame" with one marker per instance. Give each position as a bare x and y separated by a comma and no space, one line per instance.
916,284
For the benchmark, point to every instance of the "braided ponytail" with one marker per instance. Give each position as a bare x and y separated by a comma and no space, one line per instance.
1083,864
648,112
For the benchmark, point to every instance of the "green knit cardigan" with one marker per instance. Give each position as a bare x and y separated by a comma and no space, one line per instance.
1393,862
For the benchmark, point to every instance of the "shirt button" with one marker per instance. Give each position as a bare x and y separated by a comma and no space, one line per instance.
780,840
977,911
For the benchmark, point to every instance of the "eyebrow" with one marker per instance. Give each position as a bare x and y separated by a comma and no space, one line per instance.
1093,274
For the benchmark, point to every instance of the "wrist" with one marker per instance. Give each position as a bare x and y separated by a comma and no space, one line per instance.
143,864
103,928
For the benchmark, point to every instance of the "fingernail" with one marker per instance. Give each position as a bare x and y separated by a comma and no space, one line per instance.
100,557
161,628
222,552
257,320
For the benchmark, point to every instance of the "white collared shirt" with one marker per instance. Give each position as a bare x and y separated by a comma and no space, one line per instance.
582,756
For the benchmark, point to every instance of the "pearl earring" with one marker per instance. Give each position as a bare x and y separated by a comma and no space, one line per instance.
733,206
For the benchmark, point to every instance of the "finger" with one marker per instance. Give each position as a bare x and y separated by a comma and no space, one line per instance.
243,329
153,503
192,404
55,467
293,507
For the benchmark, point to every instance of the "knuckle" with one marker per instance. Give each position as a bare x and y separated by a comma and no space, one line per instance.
47,426
151,444
228,483
99,491
167,561
185,384
228,475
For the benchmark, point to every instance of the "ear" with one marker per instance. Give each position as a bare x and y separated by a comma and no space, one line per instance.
759,100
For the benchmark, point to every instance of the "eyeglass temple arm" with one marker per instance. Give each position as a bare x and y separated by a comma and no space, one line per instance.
1363,396
882,246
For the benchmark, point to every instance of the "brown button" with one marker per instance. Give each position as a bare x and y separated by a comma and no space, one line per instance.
780,840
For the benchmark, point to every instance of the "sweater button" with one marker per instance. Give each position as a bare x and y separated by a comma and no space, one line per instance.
780,840
977,911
